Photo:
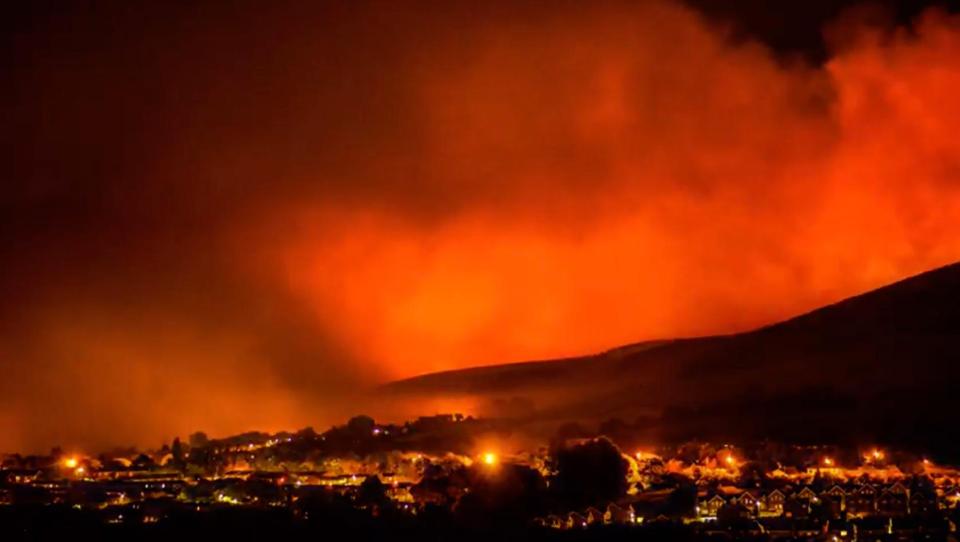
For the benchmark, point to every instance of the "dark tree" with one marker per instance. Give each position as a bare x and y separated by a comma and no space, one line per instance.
683,500
440,486
206,460
752,474
504,496
199,440
819,482
143,462
372,491
922,484
361,425
591,473
176,451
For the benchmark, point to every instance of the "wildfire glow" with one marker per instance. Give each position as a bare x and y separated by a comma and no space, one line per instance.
489,458
502,199
71,462
480,285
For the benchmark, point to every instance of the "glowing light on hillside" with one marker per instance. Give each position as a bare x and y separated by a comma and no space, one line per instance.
874,455
489,458
729,460
828,461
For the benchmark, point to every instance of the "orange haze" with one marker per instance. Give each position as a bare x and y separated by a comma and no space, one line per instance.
355,197
637,179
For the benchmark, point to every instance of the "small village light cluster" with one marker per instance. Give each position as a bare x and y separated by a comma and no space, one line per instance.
874,455
728,459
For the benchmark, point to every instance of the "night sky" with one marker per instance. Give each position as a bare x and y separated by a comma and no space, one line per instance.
236,215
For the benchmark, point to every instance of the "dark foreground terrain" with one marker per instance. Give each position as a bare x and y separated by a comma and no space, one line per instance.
59,523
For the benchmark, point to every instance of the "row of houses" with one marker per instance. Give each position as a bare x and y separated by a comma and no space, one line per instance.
856,501
613,515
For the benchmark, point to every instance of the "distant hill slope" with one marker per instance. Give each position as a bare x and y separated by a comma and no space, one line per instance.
884,364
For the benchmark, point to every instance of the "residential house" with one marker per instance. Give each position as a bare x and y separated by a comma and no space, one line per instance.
893,503
835,499
862,501
554,522
708,507
575,520
619,515
593,516
773,503
750,501
807,494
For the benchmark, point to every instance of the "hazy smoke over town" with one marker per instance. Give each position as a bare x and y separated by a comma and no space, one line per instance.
220,218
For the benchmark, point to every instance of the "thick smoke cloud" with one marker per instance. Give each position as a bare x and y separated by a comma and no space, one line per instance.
222,218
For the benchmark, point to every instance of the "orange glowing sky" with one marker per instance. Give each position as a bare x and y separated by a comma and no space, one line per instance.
226,221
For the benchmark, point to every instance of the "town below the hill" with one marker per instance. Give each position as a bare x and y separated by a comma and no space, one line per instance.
468,474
